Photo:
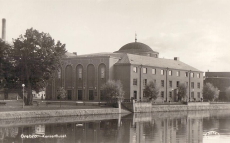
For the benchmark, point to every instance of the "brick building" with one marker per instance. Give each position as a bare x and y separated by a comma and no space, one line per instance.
221,80
135,64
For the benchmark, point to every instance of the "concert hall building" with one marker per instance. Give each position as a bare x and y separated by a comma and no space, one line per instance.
134,64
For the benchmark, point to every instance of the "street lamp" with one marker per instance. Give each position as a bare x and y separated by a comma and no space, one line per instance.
23,85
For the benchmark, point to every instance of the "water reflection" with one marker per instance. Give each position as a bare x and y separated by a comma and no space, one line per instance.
171,127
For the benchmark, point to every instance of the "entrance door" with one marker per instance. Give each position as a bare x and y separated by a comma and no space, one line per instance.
135,94
69,94
79,93
91,95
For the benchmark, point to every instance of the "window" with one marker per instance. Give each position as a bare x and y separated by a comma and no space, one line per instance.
198,75
192,74
162,83
134,81
170,72
162,94
177,84
192,95
155,81
198,85
186,74
162,72
144,70
198,94
153,71
178,73
59,73
144,82
102,72
80,73
134,69
192,84
170,94
186,84
170,83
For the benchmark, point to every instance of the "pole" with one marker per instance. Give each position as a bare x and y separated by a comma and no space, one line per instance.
166,84
140,82
23,85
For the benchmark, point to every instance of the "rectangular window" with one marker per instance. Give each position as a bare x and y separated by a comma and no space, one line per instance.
192,95
170,83
186,74
178,73
134,81
80,73
170,94
198,85
153,71
162,83
134,69
192,74
186,84
162,94
192,84
198,75
170,73
177,84
102,72
162,72
144,70
144,82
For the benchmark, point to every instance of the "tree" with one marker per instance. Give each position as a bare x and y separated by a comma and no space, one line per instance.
113,90
227,93
210,92
7,71
182,91
61,93
36,56
151,90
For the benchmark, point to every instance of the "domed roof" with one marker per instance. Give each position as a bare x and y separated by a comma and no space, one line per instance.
135,47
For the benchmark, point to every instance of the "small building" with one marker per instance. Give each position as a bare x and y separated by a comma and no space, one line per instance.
134,64
39,95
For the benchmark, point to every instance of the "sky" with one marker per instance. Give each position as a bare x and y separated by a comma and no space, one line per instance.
196,31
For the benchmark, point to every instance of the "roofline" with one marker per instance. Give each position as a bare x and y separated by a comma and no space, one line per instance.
157,67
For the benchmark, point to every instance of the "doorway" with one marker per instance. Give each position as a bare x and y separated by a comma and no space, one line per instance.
69,94
91,97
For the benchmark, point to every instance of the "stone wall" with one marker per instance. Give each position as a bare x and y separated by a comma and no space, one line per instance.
57,113
156,108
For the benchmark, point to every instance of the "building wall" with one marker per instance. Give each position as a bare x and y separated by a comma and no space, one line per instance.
88,87
158,78
122,73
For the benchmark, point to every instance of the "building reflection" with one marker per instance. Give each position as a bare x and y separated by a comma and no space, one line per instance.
134,128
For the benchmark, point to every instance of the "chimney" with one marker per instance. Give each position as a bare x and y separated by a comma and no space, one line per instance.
176,59
4,29
75,53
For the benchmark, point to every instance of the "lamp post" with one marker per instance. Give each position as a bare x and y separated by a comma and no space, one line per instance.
23,85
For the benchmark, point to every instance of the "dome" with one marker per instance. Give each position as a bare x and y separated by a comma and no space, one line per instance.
136,48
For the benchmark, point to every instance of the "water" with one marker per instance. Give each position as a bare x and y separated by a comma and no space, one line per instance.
161,127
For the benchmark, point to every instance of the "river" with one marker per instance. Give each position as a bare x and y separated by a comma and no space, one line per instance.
159,127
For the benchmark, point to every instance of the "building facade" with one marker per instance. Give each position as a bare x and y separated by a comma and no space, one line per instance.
135,64
221,80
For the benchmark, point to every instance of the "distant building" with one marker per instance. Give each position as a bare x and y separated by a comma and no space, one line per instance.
39,95
135,64
221,80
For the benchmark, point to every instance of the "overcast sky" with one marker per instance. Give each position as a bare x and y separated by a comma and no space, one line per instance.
197,31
